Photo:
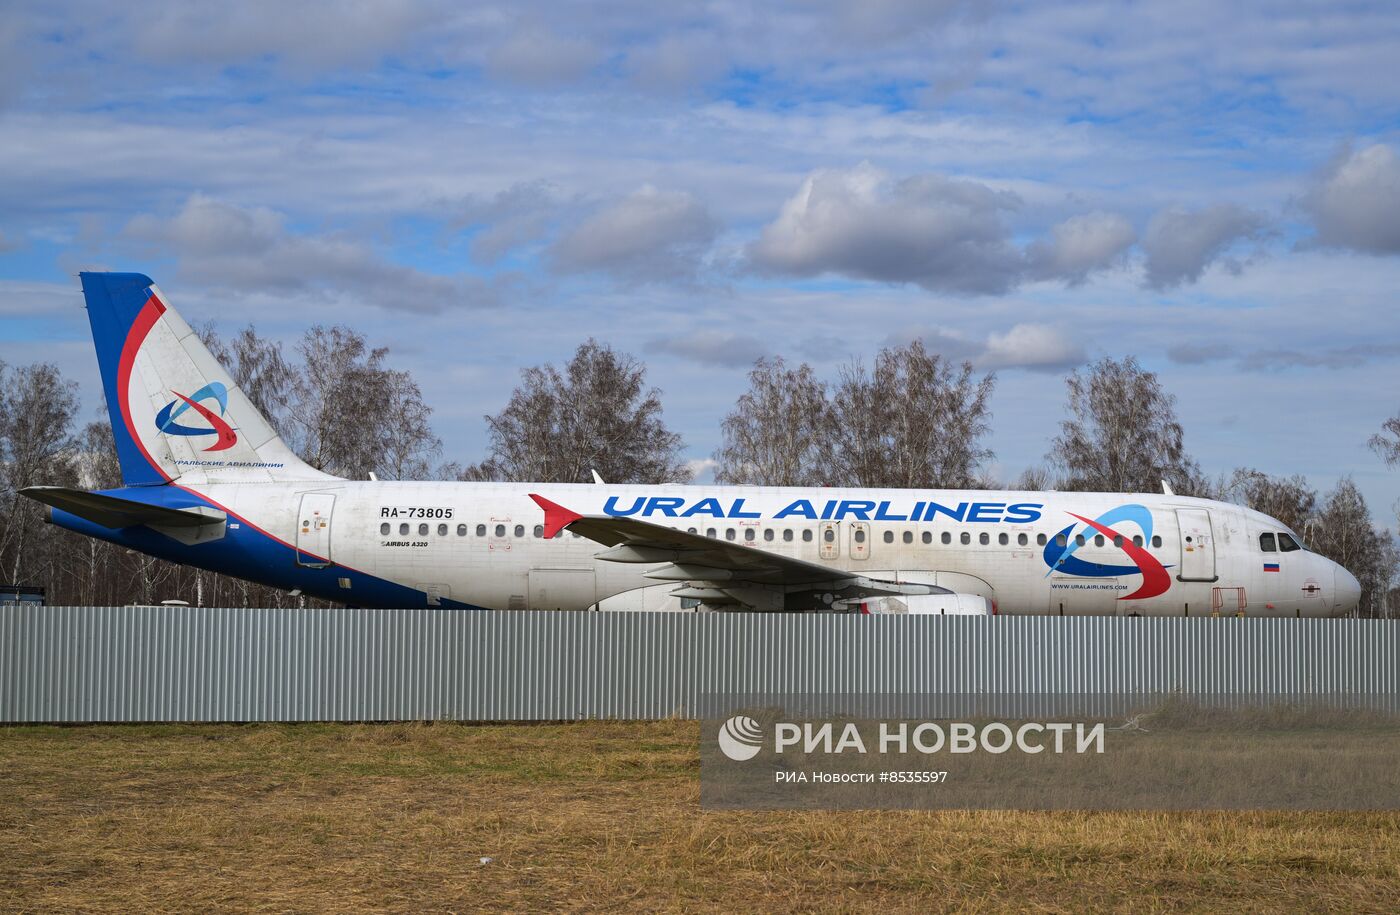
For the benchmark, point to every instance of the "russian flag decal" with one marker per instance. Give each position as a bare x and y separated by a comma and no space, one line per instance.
1270,567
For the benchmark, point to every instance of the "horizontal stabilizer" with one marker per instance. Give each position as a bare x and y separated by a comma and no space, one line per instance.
116,512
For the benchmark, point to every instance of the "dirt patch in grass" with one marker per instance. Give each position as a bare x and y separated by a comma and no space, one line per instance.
596,816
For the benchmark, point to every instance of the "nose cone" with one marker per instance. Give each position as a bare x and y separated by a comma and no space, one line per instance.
1346,592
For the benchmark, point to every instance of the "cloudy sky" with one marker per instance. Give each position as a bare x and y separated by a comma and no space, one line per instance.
1214,188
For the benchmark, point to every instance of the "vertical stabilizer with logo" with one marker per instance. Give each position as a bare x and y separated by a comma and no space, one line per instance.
176,414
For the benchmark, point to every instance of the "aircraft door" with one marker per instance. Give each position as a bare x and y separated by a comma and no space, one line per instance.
860,540
830,537
1197,545
314,530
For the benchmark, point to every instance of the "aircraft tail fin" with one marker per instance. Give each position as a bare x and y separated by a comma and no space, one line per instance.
176,413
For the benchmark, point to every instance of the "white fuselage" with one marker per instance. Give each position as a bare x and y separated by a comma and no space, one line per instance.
482,544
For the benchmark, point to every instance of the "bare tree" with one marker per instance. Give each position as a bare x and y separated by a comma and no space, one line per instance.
596,414
37,407
1122,434
1386,442
1035,479
1290,500
916,421
1342,532
342,409
260,368
780,432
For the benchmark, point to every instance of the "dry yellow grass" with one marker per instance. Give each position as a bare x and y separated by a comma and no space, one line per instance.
592,816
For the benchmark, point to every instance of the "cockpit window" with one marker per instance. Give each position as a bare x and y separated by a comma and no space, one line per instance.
1266,543
1287,544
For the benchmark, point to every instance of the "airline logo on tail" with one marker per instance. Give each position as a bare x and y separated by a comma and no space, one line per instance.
215,391
1155,579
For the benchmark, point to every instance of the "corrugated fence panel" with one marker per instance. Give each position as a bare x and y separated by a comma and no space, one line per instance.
205,664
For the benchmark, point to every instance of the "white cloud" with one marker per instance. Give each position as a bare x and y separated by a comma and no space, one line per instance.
713,347
941,233
702,470
1355,202
251,249
1031,346
1035,347
1080,246
649,235
536,56
517,216
1180,244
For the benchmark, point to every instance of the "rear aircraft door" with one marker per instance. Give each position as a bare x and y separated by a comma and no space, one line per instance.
1197,545
830,536
860,540
314,530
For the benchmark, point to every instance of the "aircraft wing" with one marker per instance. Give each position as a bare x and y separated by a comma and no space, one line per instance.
714,571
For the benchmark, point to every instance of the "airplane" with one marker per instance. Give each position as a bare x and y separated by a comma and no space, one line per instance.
209,483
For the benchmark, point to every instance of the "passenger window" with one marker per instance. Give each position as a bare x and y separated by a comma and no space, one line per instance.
520,530
442,530
807,536
1156,540
908,536
1060,540
927,537
481,530
691,530
539,531
966,538
1287,544
859,536
403,530
1040,540
1118,540
500,530
983,538
787,535
1003,539
768,535
889,536
947,537
422,530
729,533
711,533
1266,543
384,528
461,530
1098,540
1137,540
749,535
829,535
1022,540
1078,539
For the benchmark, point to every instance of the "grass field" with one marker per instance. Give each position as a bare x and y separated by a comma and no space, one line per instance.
592,816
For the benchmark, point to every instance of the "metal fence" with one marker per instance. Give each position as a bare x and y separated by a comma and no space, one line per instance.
62,664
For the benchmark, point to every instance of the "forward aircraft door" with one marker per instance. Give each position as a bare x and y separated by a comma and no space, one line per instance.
830,535
1197,545
314,530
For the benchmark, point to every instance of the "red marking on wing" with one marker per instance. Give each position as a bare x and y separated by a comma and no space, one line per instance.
556,517
227,436
145,319
1155,579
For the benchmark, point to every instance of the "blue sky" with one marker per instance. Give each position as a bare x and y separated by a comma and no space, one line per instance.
1213,188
